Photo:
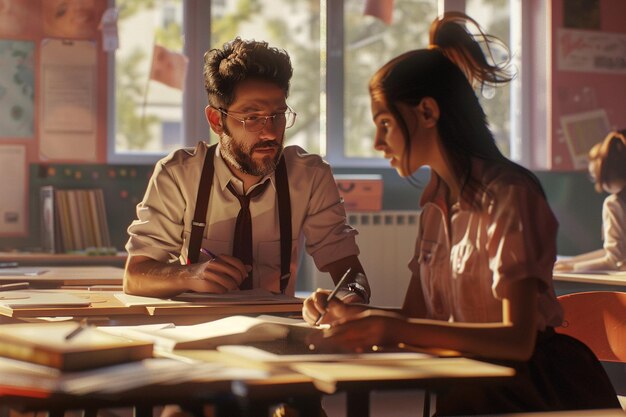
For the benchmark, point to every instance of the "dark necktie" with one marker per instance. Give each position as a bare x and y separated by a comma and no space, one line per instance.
242,240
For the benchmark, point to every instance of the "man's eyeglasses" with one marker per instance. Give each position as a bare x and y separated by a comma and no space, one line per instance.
255,122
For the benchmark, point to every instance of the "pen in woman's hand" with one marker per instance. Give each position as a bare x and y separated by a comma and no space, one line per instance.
333,293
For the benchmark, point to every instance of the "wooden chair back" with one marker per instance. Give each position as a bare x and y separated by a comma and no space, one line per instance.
598,319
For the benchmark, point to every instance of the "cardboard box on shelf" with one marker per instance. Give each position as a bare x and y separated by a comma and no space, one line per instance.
361,192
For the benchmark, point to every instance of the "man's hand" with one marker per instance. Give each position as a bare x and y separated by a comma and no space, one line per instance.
219,275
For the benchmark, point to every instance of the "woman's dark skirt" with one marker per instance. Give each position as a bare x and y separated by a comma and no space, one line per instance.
562,374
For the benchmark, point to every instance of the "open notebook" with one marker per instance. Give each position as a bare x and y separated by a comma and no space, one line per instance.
227,331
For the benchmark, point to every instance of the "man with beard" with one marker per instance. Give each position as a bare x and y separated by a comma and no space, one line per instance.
193,227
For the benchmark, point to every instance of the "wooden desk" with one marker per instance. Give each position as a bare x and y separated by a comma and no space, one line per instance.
235,397
571,282
57,276
103,304
106,309
63,259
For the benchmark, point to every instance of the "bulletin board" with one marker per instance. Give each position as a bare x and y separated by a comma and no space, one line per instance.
588,88
38,73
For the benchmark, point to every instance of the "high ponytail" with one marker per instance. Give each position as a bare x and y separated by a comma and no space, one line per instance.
450,35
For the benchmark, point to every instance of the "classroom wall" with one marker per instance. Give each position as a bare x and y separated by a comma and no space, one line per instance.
577,206
571,195
587,74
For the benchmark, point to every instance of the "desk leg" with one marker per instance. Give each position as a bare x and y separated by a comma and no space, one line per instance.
229,409
309,406
142,411
357,404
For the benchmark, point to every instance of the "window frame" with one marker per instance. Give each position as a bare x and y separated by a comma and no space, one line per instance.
197,41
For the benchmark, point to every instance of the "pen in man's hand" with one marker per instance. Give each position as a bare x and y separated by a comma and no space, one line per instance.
333,293
208,253
81,326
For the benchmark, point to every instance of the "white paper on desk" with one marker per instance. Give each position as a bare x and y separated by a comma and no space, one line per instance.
21,271
136,300
593,272
260,355
253,296
228,330
243,297
33,298
123,377
117,378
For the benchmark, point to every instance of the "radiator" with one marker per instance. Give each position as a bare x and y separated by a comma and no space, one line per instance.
387,241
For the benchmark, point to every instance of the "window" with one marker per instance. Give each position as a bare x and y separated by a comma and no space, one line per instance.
334,48
144,106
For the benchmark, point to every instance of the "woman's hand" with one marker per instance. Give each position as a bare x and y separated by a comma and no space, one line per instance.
360,332
219,275
563,266
316,305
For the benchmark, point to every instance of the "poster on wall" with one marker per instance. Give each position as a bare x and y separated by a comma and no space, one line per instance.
590,51
17,88
13,190
73,19
582,131
21,19
68,100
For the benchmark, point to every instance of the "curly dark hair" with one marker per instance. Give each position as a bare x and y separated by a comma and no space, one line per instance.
239,60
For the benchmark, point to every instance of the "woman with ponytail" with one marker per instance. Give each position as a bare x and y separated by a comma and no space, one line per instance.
607,167
482,271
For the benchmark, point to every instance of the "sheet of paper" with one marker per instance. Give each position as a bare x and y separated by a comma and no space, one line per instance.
260,355
34,298
21,271
254,296
68,100
13,219
17,87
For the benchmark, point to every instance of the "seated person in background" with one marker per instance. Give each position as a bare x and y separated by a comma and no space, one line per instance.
607,167
481,278
174,247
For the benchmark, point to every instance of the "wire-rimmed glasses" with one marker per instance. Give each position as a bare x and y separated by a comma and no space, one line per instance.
255,122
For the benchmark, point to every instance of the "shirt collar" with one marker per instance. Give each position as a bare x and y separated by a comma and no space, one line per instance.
224,174
436,189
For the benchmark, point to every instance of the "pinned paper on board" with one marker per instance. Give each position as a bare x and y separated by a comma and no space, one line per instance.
582,131
68,100
13,205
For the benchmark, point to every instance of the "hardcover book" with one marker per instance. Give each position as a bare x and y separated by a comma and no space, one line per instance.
47,344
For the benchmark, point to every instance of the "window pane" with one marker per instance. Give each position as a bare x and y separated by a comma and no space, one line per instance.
293,26
494,17
148,113
369,42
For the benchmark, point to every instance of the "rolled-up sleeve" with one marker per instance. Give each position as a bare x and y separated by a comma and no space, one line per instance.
328,236
158,230
521,237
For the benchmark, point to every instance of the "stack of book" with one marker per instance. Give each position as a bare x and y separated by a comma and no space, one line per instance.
73,220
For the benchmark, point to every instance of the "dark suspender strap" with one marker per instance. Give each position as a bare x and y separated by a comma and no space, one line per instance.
202,203
284,217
